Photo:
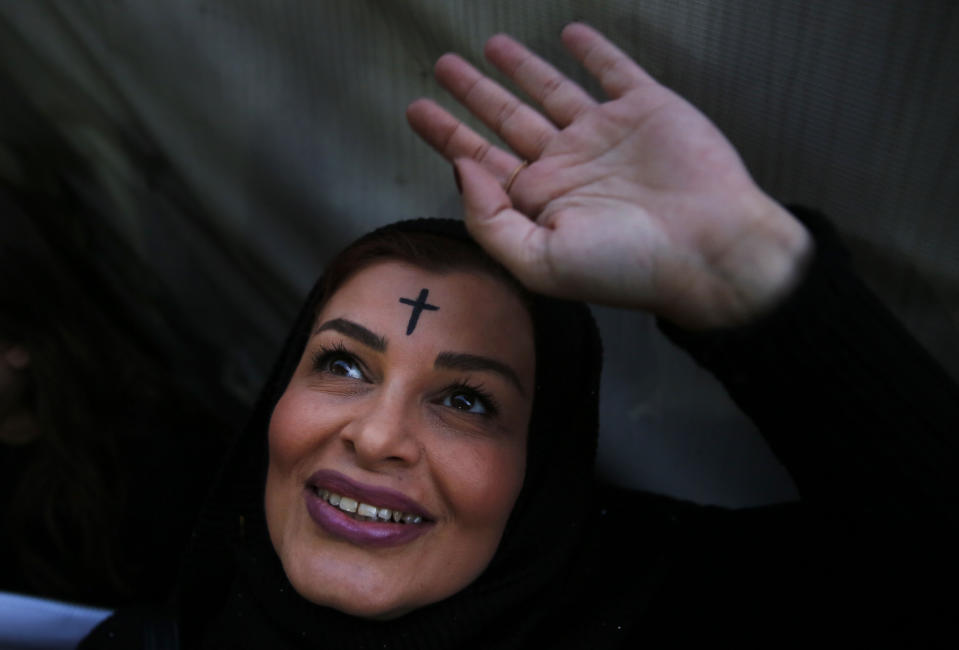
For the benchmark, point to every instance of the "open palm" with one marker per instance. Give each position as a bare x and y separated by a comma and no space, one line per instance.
638,201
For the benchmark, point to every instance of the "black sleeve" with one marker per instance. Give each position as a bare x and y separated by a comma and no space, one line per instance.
860,414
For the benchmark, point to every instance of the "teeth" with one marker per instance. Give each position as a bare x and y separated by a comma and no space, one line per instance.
364,511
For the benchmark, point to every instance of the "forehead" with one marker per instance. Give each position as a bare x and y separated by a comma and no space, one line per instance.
471,311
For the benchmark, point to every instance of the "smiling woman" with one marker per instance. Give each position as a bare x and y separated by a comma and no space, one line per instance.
427,426
407,475
418,471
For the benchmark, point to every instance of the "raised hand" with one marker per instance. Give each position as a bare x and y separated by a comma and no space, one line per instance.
638,201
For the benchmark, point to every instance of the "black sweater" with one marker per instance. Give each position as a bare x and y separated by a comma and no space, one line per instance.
867,423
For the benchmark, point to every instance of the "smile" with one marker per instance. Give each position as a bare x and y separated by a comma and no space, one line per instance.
364,515
365,511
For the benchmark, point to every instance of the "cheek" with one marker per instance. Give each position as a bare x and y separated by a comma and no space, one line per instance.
282,445
481,483
284,433
292,439
295,428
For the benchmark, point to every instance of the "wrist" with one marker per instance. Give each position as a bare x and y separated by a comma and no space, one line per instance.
767,263
760,265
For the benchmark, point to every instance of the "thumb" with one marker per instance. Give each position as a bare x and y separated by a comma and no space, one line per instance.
509,236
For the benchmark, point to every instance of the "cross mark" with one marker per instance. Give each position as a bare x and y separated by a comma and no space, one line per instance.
418,306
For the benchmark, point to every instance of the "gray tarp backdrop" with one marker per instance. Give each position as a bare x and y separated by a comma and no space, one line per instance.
237,144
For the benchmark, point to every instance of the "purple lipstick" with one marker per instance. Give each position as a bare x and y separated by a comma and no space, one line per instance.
362,514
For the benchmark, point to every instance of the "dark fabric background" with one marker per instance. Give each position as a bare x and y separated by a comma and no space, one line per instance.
236,143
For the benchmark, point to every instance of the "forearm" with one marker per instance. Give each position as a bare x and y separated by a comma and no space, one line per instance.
856,410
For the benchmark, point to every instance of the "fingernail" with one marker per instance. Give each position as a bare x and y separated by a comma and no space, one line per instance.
456,177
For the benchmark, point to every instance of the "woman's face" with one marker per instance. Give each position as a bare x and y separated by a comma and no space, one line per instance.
411,402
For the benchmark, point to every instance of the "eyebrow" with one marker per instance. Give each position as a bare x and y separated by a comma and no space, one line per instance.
460,361
354,331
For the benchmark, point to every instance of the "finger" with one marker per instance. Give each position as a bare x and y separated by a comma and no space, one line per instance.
616,72
509,236
453,139
525,130
562,99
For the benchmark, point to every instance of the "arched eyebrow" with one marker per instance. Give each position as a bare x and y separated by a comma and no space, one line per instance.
354,331
461,361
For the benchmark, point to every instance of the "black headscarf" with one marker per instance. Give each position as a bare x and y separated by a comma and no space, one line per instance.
234,593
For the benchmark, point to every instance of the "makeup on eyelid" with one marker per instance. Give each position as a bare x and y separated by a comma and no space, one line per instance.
473,392
336,352
445,359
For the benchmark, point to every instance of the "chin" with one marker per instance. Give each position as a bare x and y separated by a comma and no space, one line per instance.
364,598
362,605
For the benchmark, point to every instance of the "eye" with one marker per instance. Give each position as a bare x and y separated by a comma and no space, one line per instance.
470,399
463,401
345,368
337,361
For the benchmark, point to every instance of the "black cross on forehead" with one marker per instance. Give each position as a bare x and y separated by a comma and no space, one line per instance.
418,305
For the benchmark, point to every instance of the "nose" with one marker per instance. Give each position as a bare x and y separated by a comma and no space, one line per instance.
385,433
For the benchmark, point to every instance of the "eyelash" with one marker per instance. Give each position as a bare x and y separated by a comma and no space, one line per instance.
477,391
325,355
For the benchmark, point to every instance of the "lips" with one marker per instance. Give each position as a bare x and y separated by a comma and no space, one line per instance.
334,501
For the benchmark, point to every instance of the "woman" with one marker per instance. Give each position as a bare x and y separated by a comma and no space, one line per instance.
418,472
